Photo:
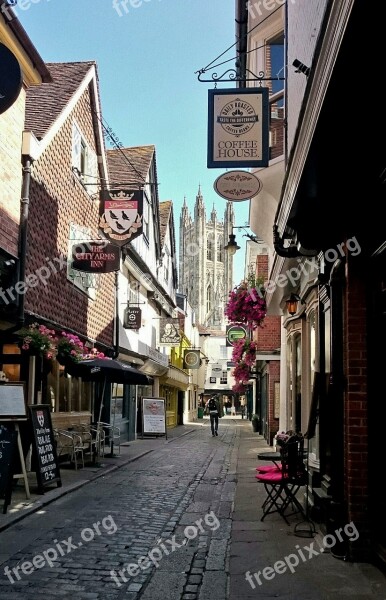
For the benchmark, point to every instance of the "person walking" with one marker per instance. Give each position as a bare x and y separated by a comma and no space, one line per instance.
213,408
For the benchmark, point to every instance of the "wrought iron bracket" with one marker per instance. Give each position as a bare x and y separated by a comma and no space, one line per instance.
234,75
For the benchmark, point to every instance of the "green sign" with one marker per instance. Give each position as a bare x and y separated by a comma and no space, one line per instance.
234,333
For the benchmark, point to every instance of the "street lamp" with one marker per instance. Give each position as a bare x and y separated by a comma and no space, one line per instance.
232,246
292,304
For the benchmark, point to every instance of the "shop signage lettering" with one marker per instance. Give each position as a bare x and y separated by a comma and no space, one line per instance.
47,468
95,257
238,128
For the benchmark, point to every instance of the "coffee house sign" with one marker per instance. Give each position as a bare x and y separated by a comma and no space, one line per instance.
238,128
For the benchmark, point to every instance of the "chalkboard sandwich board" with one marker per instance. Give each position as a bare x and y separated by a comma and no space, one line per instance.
47,467
8,450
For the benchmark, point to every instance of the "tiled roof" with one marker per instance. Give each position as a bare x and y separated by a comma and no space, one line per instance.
130,166
164,215
45,102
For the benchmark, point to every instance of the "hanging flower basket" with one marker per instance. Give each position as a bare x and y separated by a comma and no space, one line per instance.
239,388
241,372
246,304
69,349
38,340
245,351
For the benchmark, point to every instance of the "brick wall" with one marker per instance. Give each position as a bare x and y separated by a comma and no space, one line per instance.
56,200
11,128
273,377
356,409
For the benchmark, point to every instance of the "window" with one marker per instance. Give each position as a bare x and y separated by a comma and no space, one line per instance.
223,351
275,63
84,161
146,210
133,291
220,249
166,263
209,248
208,298
224,377
85,282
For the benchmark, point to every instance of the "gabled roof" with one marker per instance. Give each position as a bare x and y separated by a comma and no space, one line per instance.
130,166
46,102
164,214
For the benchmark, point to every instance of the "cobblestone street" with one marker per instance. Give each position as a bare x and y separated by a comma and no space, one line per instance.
171,507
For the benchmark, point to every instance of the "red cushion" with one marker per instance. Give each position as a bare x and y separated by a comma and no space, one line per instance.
268,469
274,477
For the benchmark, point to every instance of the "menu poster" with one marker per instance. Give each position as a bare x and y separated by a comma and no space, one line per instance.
47,468
154,417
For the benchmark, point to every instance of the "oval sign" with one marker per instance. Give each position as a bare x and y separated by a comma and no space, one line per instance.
11,78
237,186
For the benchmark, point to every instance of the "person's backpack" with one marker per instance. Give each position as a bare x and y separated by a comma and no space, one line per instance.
212,406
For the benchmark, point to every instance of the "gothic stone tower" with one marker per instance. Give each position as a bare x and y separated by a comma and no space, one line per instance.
205,268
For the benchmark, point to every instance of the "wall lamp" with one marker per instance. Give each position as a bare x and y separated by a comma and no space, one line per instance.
292,304
232,246
301,67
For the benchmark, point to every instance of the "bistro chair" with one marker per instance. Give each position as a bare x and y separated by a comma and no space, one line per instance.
70,444
282,484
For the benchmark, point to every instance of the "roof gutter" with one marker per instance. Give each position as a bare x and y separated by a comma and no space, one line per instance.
19,32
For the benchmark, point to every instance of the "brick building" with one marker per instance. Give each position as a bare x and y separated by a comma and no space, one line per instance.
329,250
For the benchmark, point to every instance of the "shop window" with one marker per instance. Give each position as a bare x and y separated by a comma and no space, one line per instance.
65,393
11,370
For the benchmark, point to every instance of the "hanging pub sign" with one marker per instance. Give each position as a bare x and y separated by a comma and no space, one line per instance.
191,359
234,333
238,128
132,318
121,215
169,332
96,256
11,78
237,186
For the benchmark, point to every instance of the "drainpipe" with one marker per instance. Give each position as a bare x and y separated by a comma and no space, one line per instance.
116,319
241,41
23,234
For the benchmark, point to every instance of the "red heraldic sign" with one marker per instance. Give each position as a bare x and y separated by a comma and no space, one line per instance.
121,215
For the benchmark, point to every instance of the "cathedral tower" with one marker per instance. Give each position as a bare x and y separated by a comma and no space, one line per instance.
205,268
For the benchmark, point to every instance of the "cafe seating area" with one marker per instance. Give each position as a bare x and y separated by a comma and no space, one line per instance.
78,439
284,478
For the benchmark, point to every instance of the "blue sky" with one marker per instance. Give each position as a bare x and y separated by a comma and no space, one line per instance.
150,94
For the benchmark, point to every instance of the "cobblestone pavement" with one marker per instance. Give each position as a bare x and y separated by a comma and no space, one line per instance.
156,528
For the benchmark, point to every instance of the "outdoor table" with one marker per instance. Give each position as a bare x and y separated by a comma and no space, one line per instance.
275,457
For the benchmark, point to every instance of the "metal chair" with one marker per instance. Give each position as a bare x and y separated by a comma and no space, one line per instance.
282,485
69,443
113,434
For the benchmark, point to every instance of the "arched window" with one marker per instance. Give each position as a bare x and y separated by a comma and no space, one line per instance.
220,250
209,248
208,298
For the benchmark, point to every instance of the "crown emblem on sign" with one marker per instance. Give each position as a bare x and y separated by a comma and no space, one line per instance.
122,194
